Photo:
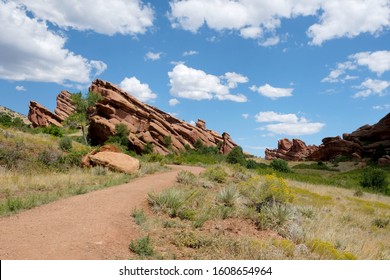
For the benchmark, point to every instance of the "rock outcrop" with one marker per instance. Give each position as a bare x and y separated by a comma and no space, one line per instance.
147,124
294,150
40,116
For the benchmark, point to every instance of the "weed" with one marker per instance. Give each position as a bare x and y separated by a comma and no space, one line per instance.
190,240
186,178
139,216
326,250
99,170
142,247
228,196
381,222
65,144
216,174
168,201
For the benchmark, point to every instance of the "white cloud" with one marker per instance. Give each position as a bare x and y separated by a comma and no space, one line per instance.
127,17
29,51
189,53
378,62
256,18
271,116
372,87
381,107
136,88
349,19
245,116
173,102
20,88
288,124
272,92
196,84
233,79
272,41
153,56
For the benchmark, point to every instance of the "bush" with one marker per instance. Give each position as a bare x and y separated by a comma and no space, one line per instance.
251,164
168,142
216,174
121,135
374,178
148,148
186,178
65,144
280,165
48,157
53,130
142,247
235,156
139,216
228,196
168,201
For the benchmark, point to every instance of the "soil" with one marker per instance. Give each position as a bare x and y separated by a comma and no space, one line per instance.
93,226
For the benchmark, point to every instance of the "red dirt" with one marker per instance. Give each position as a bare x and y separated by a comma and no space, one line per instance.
93,226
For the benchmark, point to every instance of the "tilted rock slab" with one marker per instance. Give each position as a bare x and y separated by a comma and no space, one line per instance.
40,116
147,124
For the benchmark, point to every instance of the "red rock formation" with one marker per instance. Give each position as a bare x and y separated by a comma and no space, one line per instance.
65,106
147,124
40,116
335,146
290,150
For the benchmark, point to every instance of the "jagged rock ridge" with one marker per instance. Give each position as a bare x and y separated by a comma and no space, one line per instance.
290,150
147,124
40,116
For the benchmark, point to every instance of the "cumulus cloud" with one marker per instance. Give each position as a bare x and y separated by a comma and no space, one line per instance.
190,83
233,79
272,41
127,17
372,87
255,19
20,88
288,124
136,88
173,102
272,92
29,51
349,19
189,53
377,62
153,56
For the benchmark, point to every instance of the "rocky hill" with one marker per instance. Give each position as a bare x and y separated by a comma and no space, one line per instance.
14,114
363,142
147,124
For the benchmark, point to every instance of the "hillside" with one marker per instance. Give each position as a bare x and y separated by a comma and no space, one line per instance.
14,114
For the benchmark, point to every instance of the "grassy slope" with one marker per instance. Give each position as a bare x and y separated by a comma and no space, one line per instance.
324,222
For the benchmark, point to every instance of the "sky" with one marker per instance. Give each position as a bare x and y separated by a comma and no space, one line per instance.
261,70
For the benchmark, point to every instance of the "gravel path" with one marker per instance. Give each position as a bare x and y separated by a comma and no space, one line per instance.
93,226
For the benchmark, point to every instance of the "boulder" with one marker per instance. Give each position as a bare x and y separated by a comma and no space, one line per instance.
115,161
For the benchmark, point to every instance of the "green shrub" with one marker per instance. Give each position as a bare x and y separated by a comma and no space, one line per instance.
280,165
65,144
251,164
53,130
168,142
168,201
5,120
236,156
381,222
142,247
186,178
148,148
374,178
49,157
228,196
139,216
216,174
121,135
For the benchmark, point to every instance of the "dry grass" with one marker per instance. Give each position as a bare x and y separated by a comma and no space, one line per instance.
323,222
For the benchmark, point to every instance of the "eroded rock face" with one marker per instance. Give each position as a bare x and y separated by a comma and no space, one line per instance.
335,146
294,150
40,116
147,124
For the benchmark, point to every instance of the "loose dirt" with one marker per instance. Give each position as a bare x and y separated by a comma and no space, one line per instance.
93,226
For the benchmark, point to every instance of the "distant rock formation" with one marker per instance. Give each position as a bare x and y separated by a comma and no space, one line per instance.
40,116
294,150
147,124
363,142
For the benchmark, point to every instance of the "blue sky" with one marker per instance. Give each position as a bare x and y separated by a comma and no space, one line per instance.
261,70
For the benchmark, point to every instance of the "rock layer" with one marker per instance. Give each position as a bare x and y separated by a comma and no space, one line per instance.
40,116
147,124
294,150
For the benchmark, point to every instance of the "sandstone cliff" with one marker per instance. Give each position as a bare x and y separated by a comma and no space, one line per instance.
294,150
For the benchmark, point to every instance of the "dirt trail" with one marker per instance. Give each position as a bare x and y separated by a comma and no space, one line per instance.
96,225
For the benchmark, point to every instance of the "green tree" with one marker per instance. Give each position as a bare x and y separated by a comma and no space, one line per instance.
84,106
236,155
